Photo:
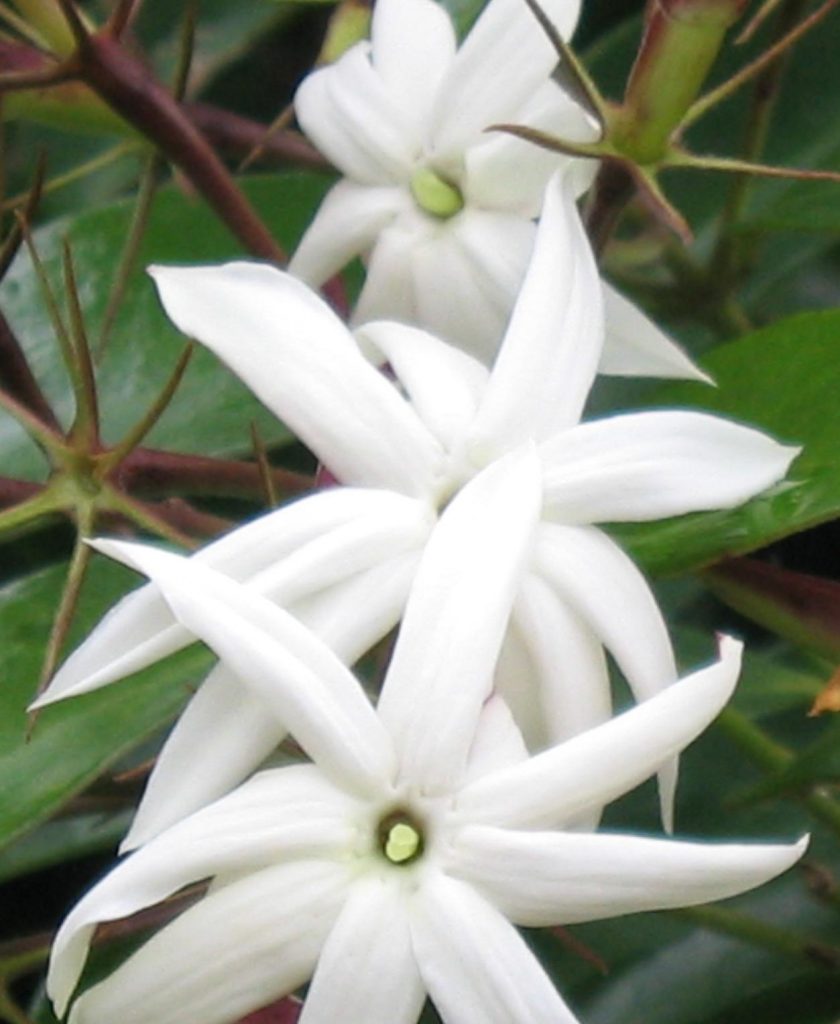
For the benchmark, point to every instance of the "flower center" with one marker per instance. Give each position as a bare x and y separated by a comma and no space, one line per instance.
435,194
400,838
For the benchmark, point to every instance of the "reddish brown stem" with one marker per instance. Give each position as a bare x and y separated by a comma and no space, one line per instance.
127,86
18,380
13,492
157,473
181,516
239,136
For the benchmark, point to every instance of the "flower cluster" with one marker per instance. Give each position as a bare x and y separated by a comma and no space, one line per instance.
469,493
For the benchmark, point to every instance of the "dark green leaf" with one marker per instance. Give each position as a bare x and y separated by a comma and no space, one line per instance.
784,380
73,742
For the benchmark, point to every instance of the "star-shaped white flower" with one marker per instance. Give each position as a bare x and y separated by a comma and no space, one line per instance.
342,561
442,211
394,865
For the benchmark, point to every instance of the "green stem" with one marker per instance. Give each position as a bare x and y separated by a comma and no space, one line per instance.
44,503
771,756
760,933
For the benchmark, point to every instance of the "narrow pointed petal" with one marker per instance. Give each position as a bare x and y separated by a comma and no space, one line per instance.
299,359
441,671
226,732
498,742
548,878
516,680
599,765
475,964
507,173
605,589
413,46
443,384
572,686
635,347
500,64
353,118
346,225
650,465
239,949
141,629
601,583
289,813
301,681
551,350
367,970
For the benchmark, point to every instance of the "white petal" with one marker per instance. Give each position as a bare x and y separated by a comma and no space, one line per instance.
141,629
302,362
591,572
504,172
498,742
571,683
289,813
545,878
367,971
239,949
442,667
501,63
599,765
635,347
301,681
516,681
226,732
475,964
604,587
389,292
413,46
444,384
347,224
350,114
642,466
223,734
493,247
550,352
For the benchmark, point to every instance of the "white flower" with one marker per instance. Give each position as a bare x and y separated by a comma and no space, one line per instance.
394,865
443,211
343,560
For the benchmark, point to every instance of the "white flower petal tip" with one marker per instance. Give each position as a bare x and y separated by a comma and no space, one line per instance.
634,346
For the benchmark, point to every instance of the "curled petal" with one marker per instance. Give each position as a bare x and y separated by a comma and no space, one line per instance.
549,878
601,764
295,354
289,813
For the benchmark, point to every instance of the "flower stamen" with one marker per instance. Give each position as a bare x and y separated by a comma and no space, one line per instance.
435,195
400,838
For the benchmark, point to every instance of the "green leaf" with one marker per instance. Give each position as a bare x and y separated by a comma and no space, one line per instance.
784,380
75,741
212,411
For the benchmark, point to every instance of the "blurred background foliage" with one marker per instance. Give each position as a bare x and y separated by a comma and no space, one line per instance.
756,296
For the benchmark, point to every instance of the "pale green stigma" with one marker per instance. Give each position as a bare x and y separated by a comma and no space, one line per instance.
436,195
400,839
